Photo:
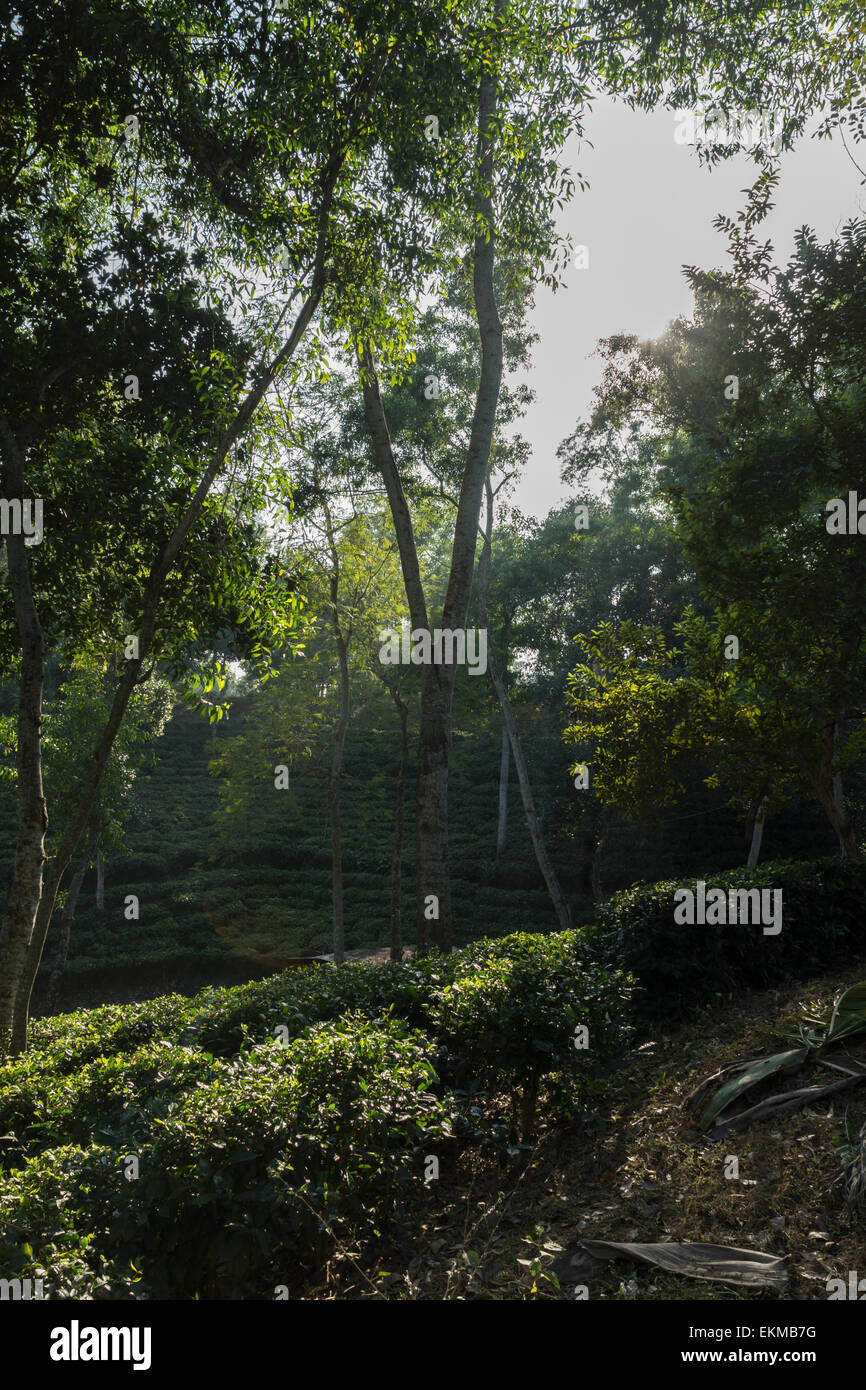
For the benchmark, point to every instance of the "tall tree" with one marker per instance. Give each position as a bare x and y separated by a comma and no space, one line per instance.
545,864
532,64
760,399
262,144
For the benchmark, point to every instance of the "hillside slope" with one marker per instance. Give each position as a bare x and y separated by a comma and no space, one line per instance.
637,1171
216,912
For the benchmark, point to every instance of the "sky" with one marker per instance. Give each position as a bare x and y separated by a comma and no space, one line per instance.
649,211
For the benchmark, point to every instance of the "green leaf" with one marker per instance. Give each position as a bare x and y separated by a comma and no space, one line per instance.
755,1072
849,1014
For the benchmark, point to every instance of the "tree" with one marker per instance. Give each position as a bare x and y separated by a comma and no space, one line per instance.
545,864
253,141
543,58
761,400
352,590
69,725
255,144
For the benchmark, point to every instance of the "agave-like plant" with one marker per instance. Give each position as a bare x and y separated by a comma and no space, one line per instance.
848,1017
814,1034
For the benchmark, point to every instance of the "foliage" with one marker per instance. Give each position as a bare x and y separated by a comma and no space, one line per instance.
72,727
748,471
846,1019
514,1009
677,967
248,1178
276,1122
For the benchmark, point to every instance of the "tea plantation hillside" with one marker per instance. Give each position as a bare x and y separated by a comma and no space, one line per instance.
213,911
453,1119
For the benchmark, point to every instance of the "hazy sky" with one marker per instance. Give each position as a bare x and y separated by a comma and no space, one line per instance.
649,211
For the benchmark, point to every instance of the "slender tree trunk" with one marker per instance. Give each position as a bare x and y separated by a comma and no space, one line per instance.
399,818
545,864
377,426
437,688
828,789
504,762
844,827
66,918
839,798
757,834
528,1104
100,881
848,846
336,853
433,881
557,897
595,871
595,867
25,887
337,768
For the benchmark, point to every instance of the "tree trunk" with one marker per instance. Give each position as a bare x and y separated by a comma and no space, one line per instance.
100,881
848,847
844,827
25,886
504,761
528,1103
828,789
336,853
433,882
337,771
757,834
399,817
66,919
595,868
557,897
437,687
554,888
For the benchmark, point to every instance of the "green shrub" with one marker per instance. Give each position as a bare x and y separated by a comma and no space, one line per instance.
115,1096
511,1013
677,967
277,1119
248,1180
50,1211
298,998
68,1041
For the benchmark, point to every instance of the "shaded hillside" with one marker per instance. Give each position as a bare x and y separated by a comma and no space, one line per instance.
215,912
636,1170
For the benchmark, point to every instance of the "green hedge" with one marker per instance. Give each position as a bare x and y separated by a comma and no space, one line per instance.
248,1180
525,1006
277,1121
679,966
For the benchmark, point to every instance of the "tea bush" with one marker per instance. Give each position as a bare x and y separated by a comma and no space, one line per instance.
511,1013
677,967
247,1179
276,1121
